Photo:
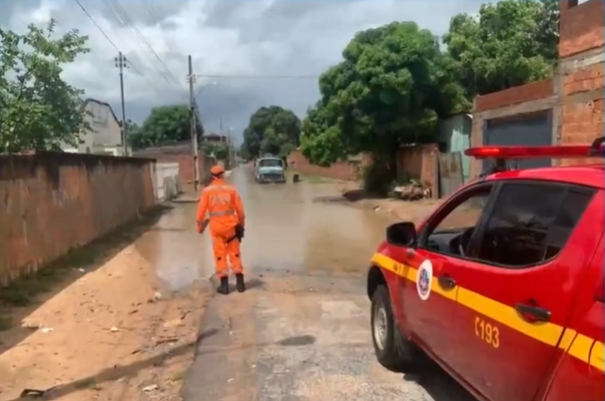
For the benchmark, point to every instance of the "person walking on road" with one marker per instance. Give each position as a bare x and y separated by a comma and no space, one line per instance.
226,219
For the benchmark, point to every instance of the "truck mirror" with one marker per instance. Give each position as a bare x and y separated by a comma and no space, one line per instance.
402,234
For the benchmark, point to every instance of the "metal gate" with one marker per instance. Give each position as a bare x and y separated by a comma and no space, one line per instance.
450,172
530,129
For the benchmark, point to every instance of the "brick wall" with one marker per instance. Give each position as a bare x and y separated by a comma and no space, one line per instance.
519,94
419,162
181,154
347,171
51,203
581,26
580,74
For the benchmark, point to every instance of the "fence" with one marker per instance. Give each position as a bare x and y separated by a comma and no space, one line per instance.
450,173
51,203
344,170
167,181
180,153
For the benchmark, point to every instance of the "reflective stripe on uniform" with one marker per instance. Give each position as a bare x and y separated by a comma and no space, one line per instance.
221,213
212,187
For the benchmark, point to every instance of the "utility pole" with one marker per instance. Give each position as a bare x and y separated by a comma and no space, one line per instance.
193,124
232,153
121,63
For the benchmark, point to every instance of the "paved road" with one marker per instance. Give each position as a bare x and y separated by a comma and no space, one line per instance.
301,332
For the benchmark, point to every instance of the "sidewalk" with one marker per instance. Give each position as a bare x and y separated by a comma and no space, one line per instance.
106,330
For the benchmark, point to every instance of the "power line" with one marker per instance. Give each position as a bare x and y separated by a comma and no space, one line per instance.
103,32
260,76
138,71
126,21
96,24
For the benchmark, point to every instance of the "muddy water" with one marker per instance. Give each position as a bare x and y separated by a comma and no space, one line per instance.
289,227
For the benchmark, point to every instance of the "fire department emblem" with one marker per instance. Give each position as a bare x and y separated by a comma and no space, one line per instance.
423,282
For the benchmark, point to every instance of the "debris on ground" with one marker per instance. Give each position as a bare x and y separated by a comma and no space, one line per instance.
412,191
96,336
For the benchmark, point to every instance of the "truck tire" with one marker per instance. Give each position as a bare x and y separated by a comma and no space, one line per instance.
392,350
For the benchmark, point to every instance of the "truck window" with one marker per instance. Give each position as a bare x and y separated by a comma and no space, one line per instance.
531,223
270,163
450,230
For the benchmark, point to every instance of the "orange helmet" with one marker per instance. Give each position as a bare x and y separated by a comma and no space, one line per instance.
217,170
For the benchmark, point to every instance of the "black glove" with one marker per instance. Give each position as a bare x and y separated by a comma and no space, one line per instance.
239,232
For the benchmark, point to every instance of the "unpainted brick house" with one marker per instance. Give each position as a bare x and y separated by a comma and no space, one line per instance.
565,109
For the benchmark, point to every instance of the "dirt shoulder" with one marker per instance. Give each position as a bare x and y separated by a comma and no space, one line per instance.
397,210
101,328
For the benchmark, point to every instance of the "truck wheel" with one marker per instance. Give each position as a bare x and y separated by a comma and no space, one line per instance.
392,350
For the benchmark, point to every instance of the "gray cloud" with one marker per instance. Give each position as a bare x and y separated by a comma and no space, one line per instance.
235,38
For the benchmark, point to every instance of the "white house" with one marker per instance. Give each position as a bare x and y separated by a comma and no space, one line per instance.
105,136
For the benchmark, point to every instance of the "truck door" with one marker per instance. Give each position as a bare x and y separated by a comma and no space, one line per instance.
515,301
429,299
579,372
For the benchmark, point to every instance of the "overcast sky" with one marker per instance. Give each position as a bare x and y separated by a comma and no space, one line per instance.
229,39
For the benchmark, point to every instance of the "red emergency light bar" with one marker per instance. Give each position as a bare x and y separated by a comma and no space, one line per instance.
595,149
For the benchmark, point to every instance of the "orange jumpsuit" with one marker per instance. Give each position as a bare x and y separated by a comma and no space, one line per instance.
225,210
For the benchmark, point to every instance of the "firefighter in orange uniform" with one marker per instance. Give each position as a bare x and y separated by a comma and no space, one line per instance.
226,220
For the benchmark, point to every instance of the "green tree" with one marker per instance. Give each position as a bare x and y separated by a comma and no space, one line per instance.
251,145
243,153
38,109
390,89
165,124
218,150
509,43
269,129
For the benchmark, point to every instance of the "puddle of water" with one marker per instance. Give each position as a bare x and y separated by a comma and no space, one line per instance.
286,230
174,248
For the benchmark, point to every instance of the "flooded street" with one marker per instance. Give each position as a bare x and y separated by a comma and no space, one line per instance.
290,227
301,331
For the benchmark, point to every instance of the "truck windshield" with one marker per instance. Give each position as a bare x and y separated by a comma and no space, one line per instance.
270,163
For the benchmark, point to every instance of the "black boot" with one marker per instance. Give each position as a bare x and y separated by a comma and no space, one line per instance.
241,286
224,287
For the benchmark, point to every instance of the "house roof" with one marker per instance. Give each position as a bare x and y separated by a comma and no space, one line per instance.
91,100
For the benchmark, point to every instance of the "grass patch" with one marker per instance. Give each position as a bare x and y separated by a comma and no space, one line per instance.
178,376
87,384
23,290
313,179
5,323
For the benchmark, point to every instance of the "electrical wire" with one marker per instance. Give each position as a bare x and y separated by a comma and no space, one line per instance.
92,19
259,76
96,24
126,21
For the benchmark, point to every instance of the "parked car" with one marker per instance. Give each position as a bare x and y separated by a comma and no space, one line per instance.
270,169
503,284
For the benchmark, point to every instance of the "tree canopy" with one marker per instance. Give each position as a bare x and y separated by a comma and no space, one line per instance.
509,43
218,150
394,82
273,130
38,110
165,124
391,87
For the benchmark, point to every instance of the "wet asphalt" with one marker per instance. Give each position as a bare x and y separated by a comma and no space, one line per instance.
301,332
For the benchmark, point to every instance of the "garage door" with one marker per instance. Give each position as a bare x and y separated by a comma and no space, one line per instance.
530,130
